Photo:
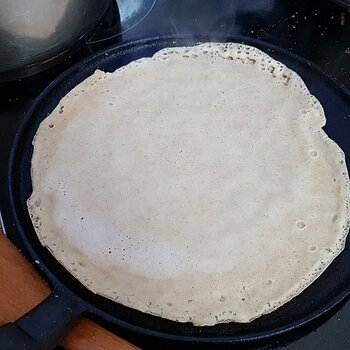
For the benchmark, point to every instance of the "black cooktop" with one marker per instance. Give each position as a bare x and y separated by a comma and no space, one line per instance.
318,31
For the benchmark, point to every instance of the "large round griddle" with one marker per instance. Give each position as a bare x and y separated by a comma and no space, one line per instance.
324,294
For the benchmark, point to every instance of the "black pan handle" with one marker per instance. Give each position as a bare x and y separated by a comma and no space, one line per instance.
43,327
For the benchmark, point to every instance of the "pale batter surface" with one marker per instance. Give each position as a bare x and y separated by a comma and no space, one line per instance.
197,185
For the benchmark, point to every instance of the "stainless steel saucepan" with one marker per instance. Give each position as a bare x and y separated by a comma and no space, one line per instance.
35,31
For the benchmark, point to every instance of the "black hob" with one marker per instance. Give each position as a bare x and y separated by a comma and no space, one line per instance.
318,31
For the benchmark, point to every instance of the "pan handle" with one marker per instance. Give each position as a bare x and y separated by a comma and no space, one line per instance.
43,327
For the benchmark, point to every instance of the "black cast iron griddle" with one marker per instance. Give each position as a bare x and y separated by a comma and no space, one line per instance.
70,298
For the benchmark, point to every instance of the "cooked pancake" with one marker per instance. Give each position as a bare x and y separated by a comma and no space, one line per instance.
197,185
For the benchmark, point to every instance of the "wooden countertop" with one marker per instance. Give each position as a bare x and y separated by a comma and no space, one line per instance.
21,288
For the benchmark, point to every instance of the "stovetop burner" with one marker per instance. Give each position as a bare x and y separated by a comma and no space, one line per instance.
317,31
